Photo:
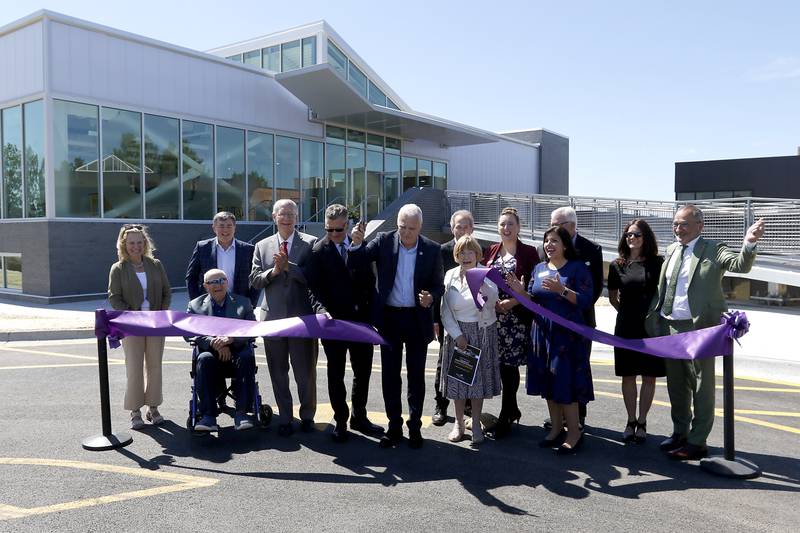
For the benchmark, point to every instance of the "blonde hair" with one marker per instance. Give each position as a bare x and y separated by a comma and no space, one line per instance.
127,229
467,242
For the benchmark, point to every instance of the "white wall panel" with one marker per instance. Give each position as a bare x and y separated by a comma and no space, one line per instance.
114,70
21,62
503,166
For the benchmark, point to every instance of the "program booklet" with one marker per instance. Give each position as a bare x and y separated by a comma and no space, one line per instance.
464,364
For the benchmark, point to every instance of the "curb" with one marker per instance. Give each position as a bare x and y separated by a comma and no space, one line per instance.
47,335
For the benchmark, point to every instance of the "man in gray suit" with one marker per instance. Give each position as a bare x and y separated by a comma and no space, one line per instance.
278,264
690,297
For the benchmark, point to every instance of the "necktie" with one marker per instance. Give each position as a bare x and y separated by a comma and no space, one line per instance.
669,297
285,247
342,250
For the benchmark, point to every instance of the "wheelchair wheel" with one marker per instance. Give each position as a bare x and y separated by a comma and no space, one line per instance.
264,415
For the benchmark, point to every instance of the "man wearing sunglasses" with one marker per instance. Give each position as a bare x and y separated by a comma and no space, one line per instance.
343,294
214,353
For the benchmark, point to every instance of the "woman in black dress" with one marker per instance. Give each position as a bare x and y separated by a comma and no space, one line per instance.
632,282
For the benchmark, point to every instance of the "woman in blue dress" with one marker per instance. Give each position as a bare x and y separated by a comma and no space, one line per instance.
558,366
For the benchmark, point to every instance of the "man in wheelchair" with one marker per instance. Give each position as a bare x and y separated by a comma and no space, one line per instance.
215,353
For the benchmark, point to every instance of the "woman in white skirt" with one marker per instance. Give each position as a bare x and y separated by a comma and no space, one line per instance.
464,324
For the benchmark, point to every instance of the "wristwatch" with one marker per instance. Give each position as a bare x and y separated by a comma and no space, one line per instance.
564,292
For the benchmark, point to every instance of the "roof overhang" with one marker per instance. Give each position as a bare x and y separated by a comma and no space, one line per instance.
333,99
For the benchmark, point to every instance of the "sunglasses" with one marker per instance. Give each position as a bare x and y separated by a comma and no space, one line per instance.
132,226
218,281
633,234
337,230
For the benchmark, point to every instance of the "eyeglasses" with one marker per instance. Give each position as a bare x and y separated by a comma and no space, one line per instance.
682,225
561,223
132,226
633,234
218,281
337,230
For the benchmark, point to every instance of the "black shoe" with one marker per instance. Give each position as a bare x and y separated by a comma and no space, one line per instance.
285,430
415,439
390,439
552,443
340,433
307,426
674,442
363,425
564,449
439,417
548,424
688,452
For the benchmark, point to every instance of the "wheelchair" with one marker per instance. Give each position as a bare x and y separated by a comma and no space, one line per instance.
261,411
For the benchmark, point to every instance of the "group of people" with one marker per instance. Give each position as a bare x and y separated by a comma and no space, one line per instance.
414,290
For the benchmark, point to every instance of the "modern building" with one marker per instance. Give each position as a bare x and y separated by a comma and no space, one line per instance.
100,126
763,177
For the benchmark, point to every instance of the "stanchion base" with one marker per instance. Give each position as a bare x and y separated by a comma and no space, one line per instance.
737,468
100,443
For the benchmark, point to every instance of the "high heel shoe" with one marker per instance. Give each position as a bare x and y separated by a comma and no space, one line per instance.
552,443
630,431
566,449
504,422
641,432
457,434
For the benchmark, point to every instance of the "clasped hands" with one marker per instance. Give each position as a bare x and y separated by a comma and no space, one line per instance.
280,263
222,346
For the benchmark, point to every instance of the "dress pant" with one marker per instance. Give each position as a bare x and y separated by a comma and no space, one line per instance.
691,383
302,354
401,330
143,357
361,363
209,370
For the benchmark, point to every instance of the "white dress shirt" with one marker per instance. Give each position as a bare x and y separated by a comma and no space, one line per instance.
459,306
288,241
226,260
680,305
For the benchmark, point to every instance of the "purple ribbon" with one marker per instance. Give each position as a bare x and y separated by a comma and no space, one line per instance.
707,342
118,324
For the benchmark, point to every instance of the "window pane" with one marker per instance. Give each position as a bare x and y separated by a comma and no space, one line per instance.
309,51
355,178
34,158
237,58
391,104
374,183
334,162
334,134
230,171
685,196
253,57
198,162
742,194
13,271
337,59
290,56
392,145
424,171
374,142
312,176
287,168
122,174
356,138
161,183
703,195
409,173
391,178
272,58
12,161
723,194
357,79
376,96
440,175
75,154
260,174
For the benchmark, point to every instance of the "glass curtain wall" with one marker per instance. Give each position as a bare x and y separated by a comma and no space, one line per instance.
260,175
291,56
409,172
309,51
75,154
198,164
391,178
34,158
162,195
252,57
440,175
122,172
312,179
336,179
11,121
374,182
271,58
337,59
230,171
424,171
287,168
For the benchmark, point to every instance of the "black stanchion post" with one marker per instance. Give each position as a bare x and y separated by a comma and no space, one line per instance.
728,465
108,440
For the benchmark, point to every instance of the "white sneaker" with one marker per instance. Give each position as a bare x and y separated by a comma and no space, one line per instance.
458,432
136,419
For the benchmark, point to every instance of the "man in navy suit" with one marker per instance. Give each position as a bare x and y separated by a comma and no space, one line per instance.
344,294
225,252
410,278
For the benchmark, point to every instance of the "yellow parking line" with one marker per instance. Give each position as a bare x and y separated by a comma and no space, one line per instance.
719,387
56,354
61,365
790,414
181,482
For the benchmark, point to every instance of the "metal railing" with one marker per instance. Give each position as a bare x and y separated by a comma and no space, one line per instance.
602,219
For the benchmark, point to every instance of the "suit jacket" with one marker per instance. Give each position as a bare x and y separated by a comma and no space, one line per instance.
125,292
338,289
591,255
204,258
709,262
235,307
448,263
287,294
428,274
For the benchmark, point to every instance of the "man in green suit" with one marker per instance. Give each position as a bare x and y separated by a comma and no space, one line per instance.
689,298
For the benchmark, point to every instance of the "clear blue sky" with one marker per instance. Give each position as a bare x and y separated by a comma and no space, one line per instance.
636,86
